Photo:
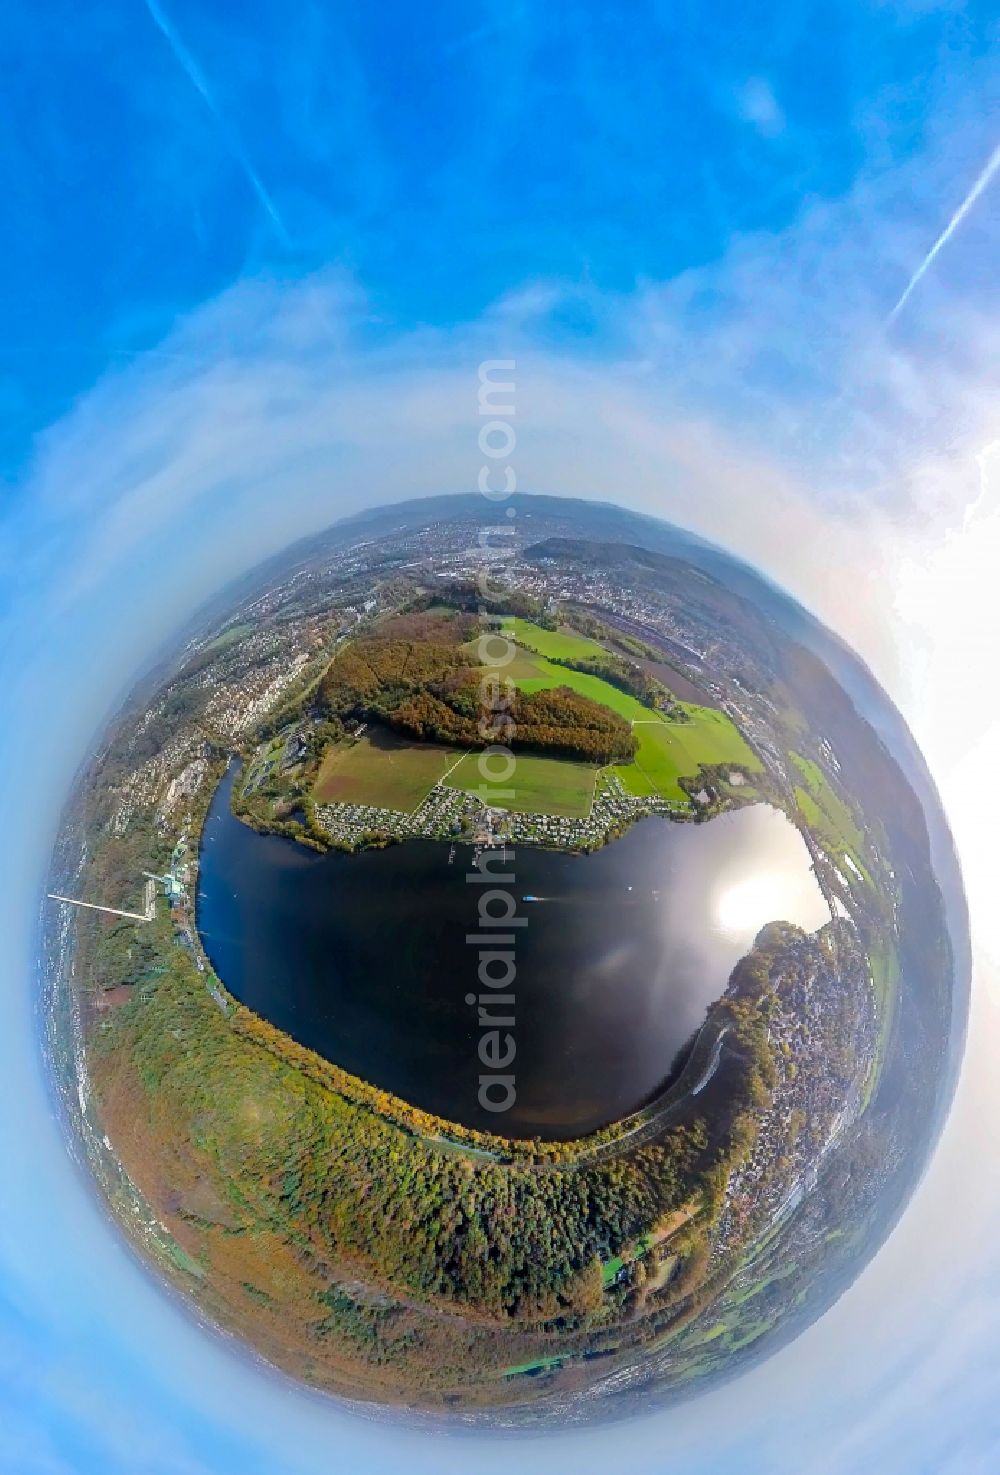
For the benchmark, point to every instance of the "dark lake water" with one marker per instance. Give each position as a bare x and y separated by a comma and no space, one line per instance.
364,958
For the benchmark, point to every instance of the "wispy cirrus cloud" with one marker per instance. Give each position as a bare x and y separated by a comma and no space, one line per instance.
979,187
199,82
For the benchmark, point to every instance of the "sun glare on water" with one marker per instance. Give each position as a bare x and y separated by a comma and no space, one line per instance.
742,910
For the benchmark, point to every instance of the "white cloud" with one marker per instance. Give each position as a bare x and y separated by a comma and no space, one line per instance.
757,105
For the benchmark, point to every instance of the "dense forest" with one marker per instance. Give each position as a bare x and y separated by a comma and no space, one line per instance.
238,1143
438,692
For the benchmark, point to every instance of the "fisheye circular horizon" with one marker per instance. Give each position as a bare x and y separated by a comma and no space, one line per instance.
509,969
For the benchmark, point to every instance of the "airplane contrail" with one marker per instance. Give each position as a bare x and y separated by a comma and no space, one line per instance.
982,183
197,79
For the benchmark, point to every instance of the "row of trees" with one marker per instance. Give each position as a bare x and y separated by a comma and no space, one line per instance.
467,596
623,675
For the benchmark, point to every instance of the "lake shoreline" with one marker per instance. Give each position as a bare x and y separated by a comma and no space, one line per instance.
363,958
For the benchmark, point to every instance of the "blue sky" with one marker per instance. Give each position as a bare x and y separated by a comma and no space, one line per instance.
253,257
152,154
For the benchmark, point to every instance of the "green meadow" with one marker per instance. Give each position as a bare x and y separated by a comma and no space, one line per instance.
670,751
557,645
532,671
556,786
827,815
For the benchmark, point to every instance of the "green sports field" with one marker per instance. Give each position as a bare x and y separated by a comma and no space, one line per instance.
540,785
382,770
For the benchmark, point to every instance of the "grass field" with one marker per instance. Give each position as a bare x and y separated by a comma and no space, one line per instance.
828,815
538,1365
531,670
382,770
534,668
525,666
555,786
669,751
885,976
227,638
391,773
559,645
549,675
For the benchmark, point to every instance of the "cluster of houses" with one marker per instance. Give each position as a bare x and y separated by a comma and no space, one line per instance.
280,758
823,1034
611,813
453,814
444,814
